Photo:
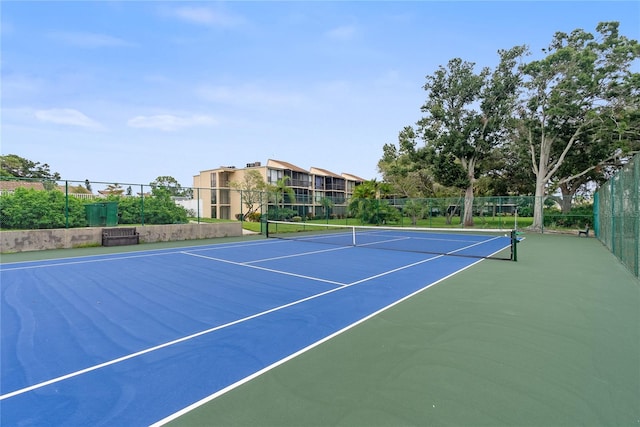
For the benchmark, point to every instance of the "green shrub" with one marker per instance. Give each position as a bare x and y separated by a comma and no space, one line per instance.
29,209
253,217
280,214
578,217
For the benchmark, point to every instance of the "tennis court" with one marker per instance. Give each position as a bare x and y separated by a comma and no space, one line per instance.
134,338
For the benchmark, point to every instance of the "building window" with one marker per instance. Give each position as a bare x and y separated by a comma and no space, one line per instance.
273,176
225,198
224,179
225,212
214,181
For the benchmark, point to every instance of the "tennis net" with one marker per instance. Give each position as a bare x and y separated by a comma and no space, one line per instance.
475,243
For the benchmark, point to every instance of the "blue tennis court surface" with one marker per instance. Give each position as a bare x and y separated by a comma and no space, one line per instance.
132,339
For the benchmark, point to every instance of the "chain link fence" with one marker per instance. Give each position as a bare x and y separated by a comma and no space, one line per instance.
617,210
34,204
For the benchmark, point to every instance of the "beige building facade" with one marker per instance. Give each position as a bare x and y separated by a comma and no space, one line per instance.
318,192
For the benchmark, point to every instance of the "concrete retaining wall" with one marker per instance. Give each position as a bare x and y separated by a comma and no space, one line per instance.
36,240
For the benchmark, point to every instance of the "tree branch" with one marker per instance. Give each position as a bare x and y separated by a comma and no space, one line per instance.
602,163
560,160
533,154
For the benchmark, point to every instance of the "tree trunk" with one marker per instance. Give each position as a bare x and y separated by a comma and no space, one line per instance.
538,204
567,199
468,206
540,170
468,195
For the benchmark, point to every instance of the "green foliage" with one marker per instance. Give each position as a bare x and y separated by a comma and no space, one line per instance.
14,165
253,217
158,209
161,209
35,209
251,190
171,185
129,209
405,168
374,211
281,193
280,214
577,108
414,209
578,217
368,206
449,171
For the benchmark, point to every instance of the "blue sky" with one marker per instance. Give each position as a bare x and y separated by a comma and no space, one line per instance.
124,91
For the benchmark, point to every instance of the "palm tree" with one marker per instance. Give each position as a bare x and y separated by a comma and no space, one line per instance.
327,204
279,190
367,204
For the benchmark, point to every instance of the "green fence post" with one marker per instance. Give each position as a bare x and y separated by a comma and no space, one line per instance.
637,210
66,203
596,214
612,200
142,204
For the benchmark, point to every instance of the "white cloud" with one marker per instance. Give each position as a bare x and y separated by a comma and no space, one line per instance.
345,32
67,116
168,122
89,40
206,16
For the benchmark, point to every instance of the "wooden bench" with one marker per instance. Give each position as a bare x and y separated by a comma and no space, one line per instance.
585,232
120,236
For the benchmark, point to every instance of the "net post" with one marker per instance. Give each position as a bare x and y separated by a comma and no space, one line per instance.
353,236
514,245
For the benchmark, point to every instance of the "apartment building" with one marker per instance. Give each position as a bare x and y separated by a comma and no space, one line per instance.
318,192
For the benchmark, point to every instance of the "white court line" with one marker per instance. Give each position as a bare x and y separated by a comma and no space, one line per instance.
384,241
87,261
341,248
179,340
146,253
257,267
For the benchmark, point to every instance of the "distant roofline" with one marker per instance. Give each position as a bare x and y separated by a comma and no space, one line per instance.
352,177
325,172
280,164
284,165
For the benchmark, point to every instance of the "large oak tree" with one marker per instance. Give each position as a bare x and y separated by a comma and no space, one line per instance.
579,98
468,115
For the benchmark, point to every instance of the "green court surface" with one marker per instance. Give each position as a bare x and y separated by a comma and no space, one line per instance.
551,340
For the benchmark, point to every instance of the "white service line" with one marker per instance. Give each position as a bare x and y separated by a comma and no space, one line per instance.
188,337
134,255
341,248
257,267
